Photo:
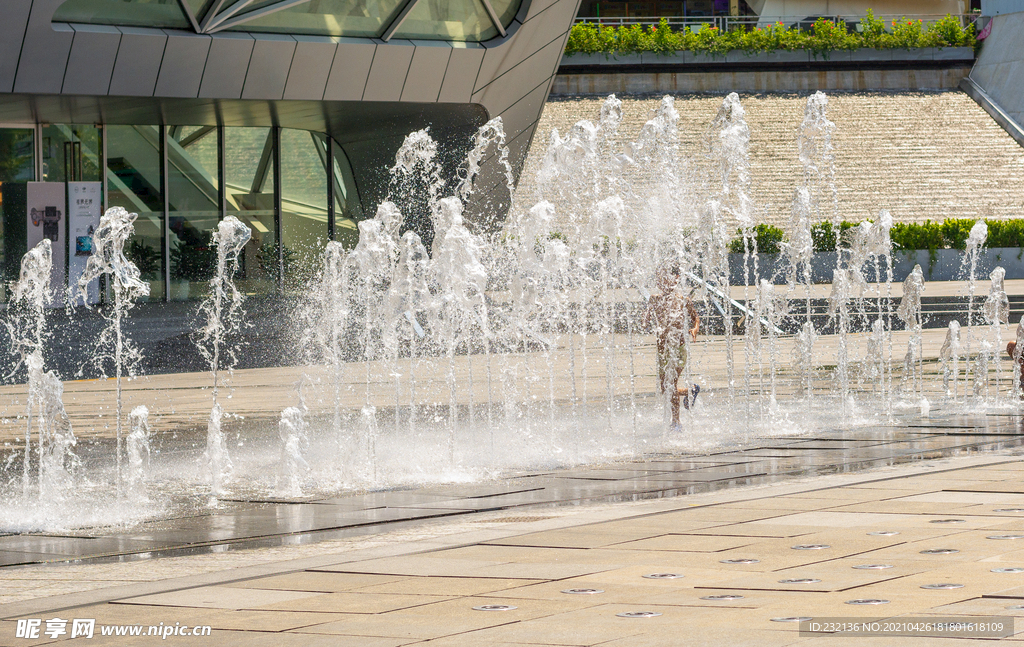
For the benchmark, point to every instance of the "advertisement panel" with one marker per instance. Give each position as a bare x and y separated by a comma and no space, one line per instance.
85,205
46,219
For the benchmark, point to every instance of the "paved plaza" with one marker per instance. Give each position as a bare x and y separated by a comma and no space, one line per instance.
421,585
740,536
726,523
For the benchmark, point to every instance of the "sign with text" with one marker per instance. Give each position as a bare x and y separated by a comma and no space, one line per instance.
46,219
85,205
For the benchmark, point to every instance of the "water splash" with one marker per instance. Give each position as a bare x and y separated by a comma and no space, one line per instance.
139,454
950,354
293,432
108,259
26,326
996,312
975,241
909,312
222,312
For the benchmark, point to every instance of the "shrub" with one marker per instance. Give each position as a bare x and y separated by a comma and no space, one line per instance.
874,34
955,232
912,236
824,37
948,32
768,239
827,37
931,236
1006,233
823,235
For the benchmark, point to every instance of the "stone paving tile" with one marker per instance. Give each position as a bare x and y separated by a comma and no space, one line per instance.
218,597
829,580
685,543
599,624
896,506
410,565
316,581
444,586
579,538
763,528
262,620
784,503
441,619
351,602
739,638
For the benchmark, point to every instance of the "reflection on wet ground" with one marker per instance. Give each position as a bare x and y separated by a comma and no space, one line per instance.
252,523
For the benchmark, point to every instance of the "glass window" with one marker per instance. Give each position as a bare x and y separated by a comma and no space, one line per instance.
328,17
506,10
448,20
303,203
193,186
249,189
139,13
71,153
17,168
199,7
348,210
134,182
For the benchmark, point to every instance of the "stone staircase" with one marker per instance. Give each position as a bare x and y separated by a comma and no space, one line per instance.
922,156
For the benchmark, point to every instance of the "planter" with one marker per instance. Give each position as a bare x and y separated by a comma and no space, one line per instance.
780,57
944,265
953,53
666,58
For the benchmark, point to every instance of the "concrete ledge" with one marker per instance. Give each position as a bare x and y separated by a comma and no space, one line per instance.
710,80
976,92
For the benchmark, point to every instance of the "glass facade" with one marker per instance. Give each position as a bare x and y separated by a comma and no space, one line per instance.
448,20
133,13
71,153
249,163
17,168
328,17
303,202
193,208
292,187
452,20
135,182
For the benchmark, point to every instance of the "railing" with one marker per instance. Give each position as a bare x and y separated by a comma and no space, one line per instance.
727,23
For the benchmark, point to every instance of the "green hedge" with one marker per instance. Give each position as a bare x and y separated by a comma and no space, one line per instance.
824,37
948,234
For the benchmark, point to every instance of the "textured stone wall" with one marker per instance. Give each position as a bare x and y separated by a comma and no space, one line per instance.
920,155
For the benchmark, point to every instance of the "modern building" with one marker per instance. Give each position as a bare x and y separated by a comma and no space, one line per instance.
284,113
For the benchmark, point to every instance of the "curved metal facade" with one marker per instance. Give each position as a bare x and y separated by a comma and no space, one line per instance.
365,93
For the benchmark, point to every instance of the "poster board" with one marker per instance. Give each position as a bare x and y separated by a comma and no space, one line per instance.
85,206
46,218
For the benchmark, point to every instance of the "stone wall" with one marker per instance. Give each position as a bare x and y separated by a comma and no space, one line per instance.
921,155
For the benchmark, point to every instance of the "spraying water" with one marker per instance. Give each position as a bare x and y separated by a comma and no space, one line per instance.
139,455
293,431
975,241
222,311
909,312
108,259
997,313
950,355
26,325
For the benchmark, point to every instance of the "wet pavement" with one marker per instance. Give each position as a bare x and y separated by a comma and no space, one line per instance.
244,524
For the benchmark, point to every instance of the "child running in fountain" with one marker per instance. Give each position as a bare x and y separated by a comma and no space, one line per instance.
673,316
